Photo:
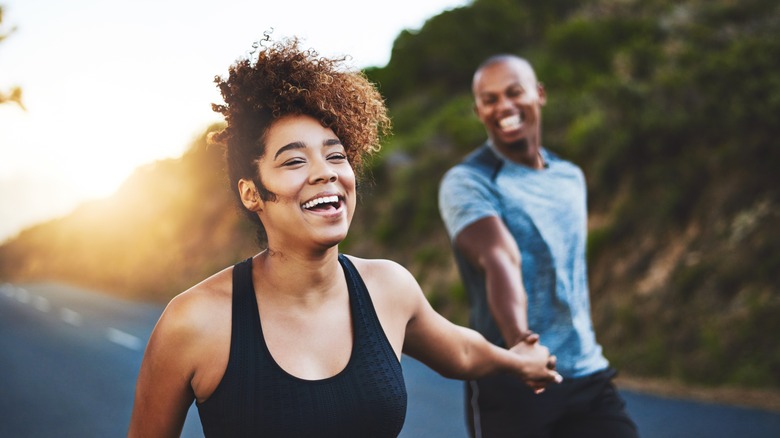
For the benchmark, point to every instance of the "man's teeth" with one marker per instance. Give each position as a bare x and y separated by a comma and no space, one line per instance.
323,200
511,122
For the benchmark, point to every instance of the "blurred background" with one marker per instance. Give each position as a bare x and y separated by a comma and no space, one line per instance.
670,107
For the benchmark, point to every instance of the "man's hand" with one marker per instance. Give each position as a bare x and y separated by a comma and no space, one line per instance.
540,365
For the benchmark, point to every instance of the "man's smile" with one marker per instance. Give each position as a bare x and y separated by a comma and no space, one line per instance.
511,123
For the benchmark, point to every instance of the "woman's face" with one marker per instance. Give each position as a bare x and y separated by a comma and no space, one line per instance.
306,167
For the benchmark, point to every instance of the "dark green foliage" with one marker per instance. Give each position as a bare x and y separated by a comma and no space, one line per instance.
440,58
670,109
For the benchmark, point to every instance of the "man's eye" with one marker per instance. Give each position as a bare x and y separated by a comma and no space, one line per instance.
515,93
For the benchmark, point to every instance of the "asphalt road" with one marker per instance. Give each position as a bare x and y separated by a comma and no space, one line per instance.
69,359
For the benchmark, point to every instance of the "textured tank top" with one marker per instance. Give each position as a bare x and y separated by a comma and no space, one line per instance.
257,398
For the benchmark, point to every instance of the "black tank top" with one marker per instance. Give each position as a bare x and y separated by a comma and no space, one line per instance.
257,398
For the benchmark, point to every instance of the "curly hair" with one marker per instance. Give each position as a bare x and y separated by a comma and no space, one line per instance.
286,80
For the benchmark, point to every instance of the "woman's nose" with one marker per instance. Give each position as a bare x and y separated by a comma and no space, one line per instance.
322,172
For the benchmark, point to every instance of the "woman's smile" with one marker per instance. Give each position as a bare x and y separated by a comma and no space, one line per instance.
324,204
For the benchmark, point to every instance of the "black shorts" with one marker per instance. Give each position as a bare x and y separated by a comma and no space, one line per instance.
503,406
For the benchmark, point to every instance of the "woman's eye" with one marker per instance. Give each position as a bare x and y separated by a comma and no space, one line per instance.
337,157
293,162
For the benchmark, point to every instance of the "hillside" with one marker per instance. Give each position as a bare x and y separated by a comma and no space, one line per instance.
171,223
670,109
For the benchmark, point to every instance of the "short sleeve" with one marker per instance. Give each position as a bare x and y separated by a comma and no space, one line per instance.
465,196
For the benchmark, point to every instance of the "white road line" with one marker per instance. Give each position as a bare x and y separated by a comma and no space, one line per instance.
8,290
124,339
41,304
71,317
22,296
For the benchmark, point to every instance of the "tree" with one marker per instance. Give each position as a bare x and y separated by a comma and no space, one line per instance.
14,95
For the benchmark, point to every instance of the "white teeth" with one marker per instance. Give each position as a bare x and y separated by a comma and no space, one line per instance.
511,122
322,200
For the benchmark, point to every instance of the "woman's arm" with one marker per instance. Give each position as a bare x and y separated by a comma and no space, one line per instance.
163,392
461,353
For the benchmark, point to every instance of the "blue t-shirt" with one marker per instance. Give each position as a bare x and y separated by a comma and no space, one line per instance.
545,211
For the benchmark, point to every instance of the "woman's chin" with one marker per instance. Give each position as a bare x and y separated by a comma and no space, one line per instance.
331,240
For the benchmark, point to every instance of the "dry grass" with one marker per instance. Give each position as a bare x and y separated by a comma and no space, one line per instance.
768,400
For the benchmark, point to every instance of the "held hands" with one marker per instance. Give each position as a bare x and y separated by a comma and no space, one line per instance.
539,366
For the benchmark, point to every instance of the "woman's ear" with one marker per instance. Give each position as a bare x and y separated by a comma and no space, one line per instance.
249,195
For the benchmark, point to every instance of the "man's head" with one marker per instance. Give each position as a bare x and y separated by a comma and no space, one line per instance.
508,102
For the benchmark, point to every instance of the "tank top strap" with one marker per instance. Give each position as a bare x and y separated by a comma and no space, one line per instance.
353,276
360,300
369,333
246,320
245,351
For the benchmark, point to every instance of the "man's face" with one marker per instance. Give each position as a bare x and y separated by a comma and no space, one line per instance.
508,102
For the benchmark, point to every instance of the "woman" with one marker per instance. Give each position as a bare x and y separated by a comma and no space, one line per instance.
301,340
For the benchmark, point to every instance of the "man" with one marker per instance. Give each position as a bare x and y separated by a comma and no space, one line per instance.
516,214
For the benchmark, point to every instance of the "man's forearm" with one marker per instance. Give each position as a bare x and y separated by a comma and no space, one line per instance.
508,301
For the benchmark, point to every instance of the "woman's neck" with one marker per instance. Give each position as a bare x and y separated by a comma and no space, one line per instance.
301,277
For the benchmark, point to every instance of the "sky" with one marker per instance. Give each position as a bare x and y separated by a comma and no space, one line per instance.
110,85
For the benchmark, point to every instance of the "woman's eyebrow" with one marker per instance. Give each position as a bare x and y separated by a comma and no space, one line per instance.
301,145
290,146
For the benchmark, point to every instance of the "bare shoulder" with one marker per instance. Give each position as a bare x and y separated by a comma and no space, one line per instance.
184,357
395,294
388,281
383,271
199,311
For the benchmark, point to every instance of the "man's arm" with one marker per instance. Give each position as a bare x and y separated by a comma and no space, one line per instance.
488,245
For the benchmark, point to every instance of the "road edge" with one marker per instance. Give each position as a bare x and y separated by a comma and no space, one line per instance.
764,399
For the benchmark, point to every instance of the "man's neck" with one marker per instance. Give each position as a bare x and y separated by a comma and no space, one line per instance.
522,153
